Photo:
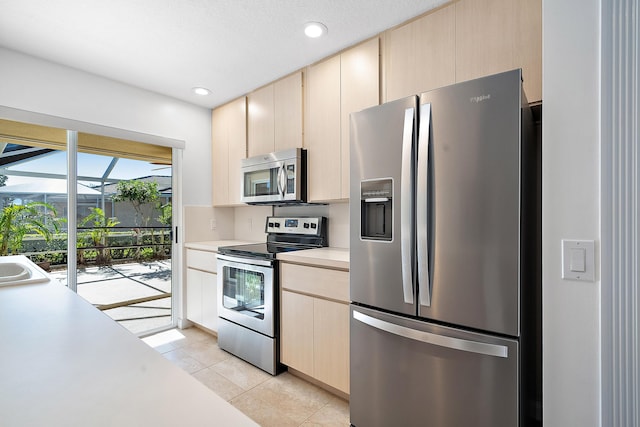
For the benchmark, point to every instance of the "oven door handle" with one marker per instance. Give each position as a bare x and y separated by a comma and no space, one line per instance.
245,261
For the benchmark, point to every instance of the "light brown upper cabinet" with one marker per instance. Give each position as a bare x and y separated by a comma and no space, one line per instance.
359,89
287,113
465,40
260,135
500,35
274,117
421,55
335,88
229,146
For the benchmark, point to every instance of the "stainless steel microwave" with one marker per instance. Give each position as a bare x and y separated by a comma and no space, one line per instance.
275,178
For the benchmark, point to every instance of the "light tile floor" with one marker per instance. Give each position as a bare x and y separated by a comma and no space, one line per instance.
281,401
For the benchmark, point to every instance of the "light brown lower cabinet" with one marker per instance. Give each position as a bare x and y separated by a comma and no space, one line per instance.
314,330
296,330
202,294
331,343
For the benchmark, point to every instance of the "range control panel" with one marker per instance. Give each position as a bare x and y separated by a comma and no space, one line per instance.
295,225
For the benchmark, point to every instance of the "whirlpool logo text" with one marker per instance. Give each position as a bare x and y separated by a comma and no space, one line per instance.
478,99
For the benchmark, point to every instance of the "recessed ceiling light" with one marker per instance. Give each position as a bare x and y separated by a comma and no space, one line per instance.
202,91
314,29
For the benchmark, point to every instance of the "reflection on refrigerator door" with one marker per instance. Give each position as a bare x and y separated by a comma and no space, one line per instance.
411,373
445,259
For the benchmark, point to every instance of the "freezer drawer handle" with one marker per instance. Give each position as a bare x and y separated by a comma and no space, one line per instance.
434,339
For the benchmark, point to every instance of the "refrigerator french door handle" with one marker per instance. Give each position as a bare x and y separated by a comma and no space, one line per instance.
406,208
434,339
422,224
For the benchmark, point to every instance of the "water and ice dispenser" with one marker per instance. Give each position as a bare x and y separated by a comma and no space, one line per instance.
376,201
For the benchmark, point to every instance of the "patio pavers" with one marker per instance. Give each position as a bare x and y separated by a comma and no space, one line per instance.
124,282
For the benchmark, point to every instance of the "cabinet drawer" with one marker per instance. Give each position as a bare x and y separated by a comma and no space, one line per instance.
202,260
322,282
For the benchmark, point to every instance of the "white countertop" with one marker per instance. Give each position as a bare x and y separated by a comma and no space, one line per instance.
64,363
321,257
213,245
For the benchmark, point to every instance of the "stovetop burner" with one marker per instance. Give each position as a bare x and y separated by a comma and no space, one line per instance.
284,234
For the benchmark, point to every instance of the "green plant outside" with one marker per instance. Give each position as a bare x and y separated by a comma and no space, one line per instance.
121,245
165,217
138,193
34,229
18,221
97,236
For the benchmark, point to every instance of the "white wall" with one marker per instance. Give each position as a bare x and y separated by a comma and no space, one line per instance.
571,159
35,85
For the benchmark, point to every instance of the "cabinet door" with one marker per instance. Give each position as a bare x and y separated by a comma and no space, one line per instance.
260,138
209,283
485,32
499,35
296,332
420,55
322,130
229,145
287,93
331,343
237,121
359,89
220,156
528,41
194,295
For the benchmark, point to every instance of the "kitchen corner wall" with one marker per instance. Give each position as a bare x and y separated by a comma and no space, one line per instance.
571,210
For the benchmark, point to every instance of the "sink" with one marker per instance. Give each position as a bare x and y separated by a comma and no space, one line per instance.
13,271
20,270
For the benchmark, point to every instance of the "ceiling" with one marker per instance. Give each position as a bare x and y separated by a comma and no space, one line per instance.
170,46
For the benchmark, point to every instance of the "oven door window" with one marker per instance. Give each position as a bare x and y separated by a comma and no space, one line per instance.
243,291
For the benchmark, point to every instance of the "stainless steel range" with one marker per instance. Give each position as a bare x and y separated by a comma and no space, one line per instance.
248,288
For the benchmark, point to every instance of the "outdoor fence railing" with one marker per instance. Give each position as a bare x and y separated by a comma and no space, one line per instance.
103,245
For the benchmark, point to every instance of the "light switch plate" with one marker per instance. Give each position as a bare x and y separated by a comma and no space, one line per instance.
578,260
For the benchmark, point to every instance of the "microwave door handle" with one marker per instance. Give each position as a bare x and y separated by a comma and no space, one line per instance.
422,212
282,181
406,220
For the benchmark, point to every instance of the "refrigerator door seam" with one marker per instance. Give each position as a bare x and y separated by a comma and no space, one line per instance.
434,339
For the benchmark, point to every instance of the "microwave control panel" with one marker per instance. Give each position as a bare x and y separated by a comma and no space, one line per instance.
294,225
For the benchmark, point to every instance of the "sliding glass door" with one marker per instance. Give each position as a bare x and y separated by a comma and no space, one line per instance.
124,240
111,229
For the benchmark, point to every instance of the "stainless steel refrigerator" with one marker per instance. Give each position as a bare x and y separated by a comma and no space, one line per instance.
445,259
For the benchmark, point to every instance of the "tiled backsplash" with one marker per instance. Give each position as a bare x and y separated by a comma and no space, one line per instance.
337,218
203,223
